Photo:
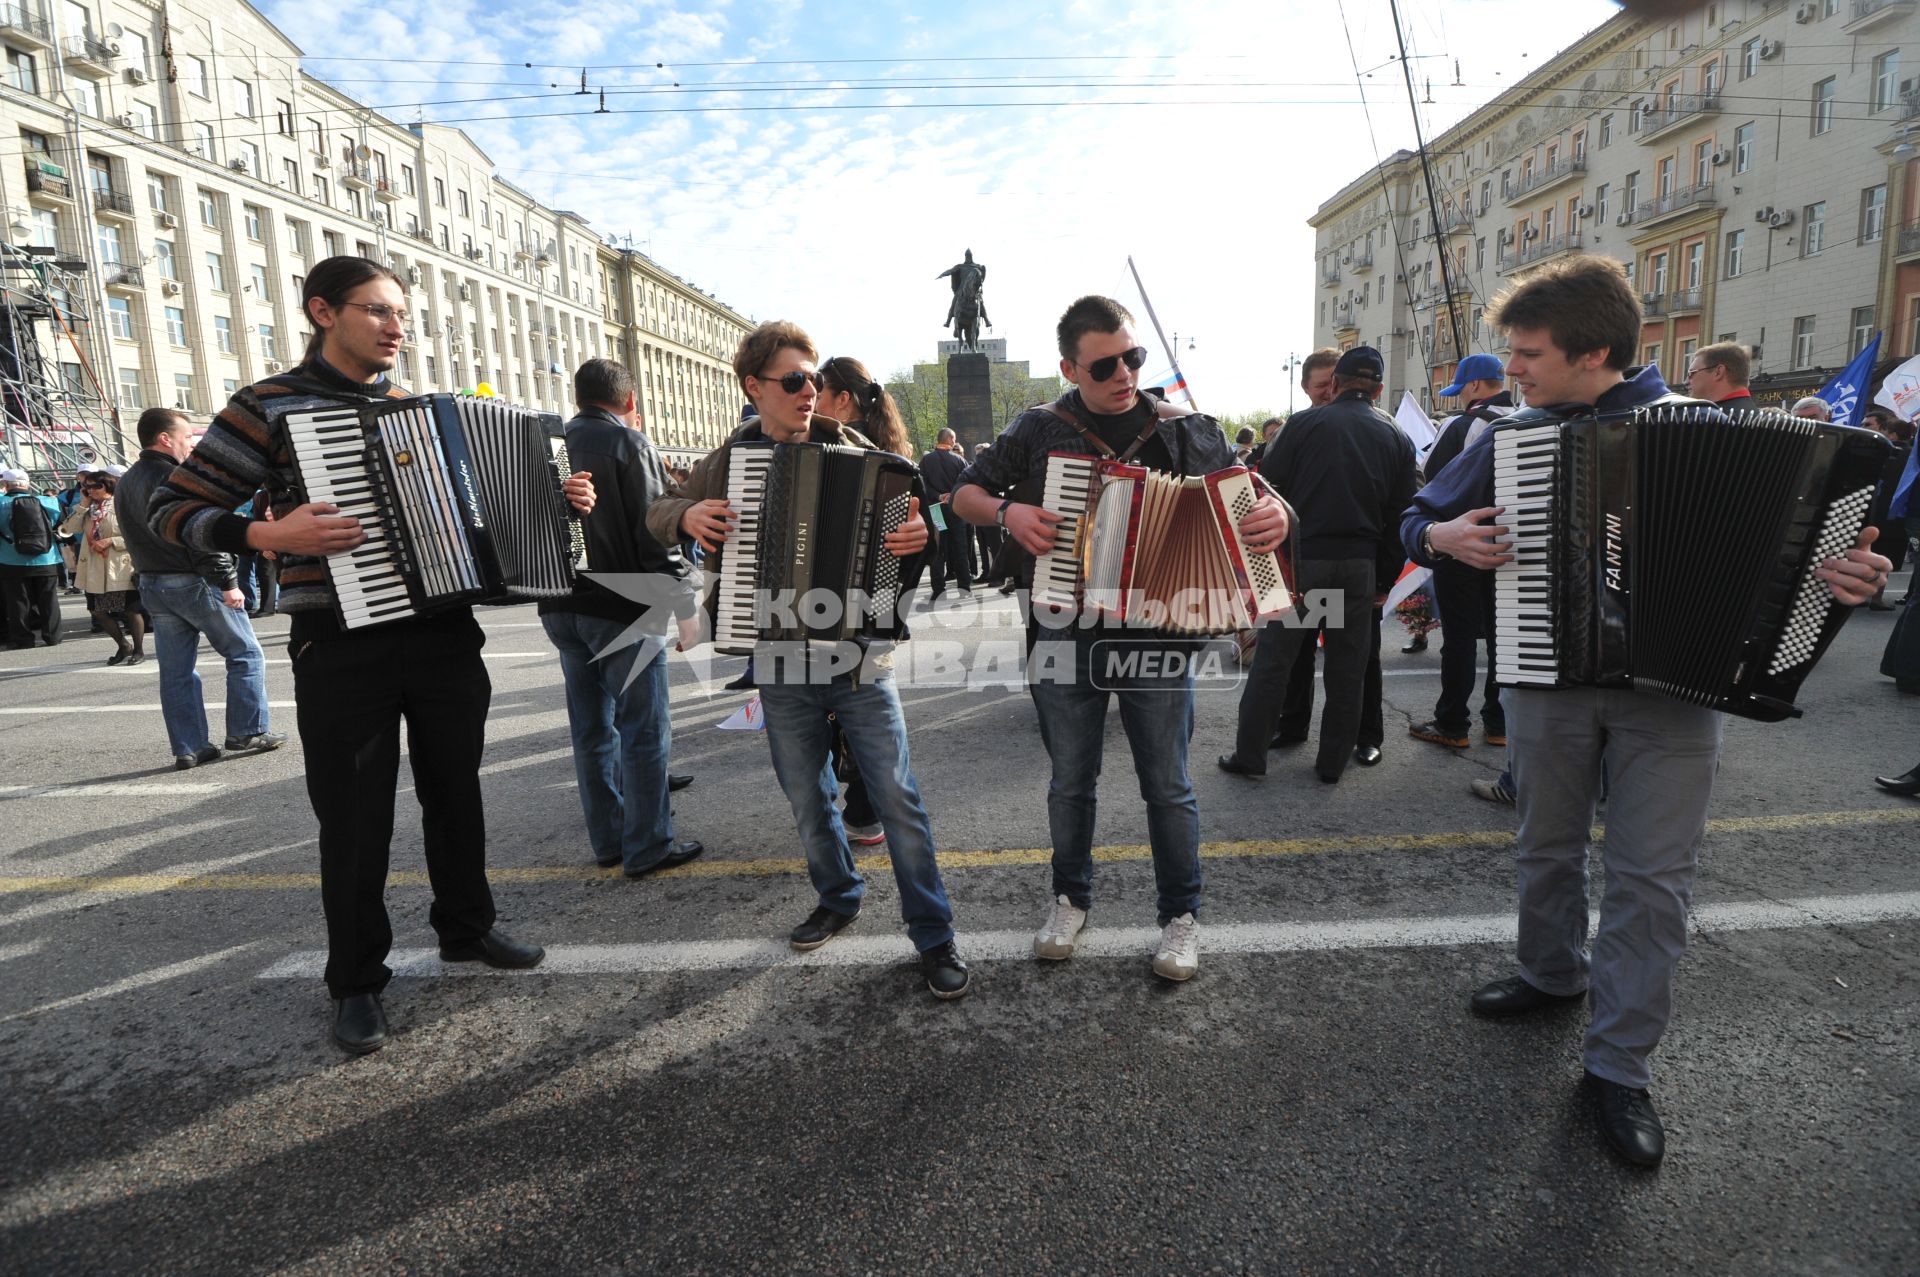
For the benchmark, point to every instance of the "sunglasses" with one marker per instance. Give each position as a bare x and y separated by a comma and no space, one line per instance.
792,381
1103,369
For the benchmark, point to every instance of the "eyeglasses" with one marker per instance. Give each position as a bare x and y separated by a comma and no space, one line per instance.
382,312
792,381
1700,371
92,487
1103,369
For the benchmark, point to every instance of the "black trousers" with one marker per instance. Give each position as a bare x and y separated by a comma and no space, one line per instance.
33,608
1347,645
1296,712
1465,600
352,690
990,540
953,558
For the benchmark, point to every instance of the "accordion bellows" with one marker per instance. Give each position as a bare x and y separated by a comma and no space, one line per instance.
1673,550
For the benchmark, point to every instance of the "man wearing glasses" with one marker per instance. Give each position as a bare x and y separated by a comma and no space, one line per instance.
1718,374
777,368
1071,672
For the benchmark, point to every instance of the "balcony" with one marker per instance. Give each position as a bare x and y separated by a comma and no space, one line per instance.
1546,177
1343,320
110,203
384,192
1686,299
1653,305
119,276
1539,250
356,177
1455,221
44,177
1360,263
21,26
1330,275
1667,206
1678,110
88,56
1906,245
1865,15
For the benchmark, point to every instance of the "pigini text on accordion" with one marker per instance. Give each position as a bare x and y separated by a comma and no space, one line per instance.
805,562
1673,549
1153,549
459,496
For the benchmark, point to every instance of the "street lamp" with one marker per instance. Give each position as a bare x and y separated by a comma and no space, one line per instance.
1293,362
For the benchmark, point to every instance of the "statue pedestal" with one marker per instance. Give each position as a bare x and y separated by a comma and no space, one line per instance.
970,400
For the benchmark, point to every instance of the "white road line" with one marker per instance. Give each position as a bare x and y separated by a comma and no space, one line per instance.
1123,942
139,981
156,789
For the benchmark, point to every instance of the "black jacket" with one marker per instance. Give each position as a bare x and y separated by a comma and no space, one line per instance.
150,551
941,470
1348,471
628,478
1453,436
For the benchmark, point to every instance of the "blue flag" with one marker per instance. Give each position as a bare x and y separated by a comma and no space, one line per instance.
1902,505
1844,391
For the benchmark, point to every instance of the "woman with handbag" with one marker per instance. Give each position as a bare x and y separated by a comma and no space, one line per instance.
105,570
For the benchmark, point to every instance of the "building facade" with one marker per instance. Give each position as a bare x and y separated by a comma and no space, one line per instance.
185,157
1750,164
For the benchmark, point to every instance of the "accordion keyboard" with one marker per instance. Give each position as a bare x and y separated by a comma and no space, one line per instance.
733,628
1526,471
367,581
1068,493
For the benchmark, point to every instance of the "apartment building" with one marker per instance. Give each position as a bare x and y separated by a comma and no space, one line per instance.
1751,164
181,152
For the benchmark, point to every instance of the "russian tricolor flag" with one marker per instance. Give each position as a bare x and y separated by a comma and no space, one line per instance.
1172,382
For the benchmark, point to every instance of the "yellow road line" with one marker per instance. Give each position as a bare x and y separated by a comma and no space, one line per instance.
147,884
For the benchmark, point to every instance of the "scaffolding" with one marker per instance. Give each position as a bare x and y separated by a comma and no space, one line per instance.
57,414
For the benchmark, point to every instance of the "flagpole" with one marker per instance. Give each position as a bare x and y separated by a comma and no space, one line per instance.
1173,356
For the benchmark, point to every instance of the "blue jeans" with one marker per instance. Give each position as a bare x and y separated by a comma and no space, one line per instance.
800,738
183,607
1157,713
621,735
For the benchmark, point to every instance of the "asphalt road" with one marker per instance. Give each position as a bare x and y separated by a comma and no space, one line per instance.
674,1093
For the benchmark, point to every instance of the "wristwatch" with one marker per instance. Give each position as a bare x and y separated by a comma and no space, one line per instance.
1000,515
1426,544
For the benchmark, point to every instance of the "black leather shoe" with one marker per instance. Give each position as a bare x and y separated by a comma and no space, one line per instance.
1286,740
1908,786
682,852
1328,778
677,783
1514,996
496,949
359,1024
822,925
740,684
1233,767
946,975
1419,644
1367,755
1627,1119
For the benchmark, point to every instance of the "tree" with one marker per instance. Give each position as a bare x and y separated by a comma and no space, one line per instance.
922,401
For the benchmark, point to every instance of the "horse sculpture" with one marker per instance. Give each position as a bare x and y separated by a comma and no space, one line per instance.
968,310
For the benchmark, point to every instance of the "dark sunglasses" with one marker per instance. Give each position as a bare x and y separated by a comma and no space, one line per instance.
92,487
1103,369
792,381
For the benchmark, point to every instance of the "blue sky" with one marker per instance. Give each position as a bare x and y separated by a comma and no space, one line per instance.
823,162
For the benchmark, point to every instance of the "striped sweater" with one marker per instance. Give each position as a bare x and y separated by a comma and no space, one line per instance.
244,450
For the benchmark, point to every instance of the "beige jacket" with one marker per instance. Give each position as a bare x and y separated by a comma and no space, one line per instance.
94,573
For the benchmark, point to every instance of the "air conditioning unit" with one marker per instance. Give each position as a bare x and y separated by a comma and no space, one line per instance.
170,287
1623,220
137,75
1770,49
238,166
1783,218
1722,156
1585,210
1762,214
320,160
1533,232
1805,13
466,292
112,47
273,365
166,221
414,276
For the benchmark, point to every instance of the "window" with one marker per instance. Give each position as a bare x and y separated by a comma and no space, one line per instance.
297,237
1814,237
433,372
484,219
1630,193
320,191
143,120
23,73
1873,214
216,273
1823,106
243,98
283,118
1750,58
223,334
177,327
1606,130
1694,272
1886,80
1600,194
269,348
230,387
1651,355
331,240
1736,252
1803,342
1743,148
1486,195
164,261
249,155
1663,178
183,392
290,175
156,193
1710,78
200,141
439,193
406,178
259,278
130,388
1862,328
254,220
466,206
1703,163
120,317
1580,147
194,72
209,207
1657,273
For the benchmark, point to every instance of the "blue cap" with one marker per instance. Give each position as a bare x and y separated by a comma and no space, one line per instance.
1475,368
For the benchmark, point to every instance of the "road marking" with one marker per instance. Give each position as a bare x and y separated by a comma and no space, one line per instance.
107,790
1125,942
118,709
140,981
879,862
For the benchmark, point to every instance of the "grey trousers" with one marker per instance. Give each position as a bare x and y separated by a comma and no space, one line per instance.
1661,756
1348,637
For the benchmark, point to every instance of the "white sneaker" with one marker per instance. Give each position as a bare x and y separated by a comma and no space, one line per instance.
1179,955
1061,932
866,835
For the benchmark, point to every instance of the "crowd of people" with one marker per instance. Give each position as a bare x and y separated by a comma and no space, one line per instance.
160,548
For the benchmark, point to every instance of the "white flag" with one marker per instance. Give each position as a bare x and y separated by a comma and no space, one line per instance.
746,719
1901,390
1415,424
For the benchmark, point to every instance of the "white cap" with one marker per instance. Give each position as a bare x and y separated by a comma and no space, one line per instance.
116,471
13,476
88,467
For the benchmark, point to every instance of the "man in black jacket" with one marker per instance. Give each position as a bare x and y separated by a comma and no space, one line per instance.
1463,596
612,632
188,593
941,469
1348,471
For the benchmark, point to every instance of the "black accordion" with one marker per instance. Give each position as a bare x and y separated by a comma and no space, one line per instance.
1673,550
805,562
459,495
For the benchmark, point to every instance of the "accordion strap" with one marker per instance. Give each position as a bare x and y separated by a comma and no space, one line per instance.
1066,412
